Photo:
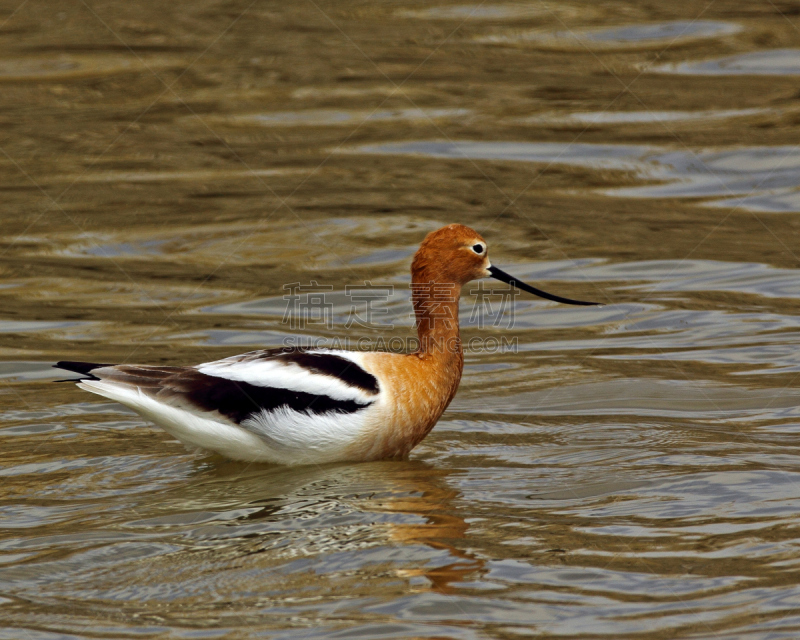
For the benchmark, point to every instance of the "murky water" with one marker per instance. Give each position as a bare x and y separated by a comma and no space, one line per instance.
625,471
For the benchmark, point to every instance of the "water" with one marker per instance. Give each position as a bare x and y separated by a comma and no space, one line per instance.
766,178
771,62
624,471
633,36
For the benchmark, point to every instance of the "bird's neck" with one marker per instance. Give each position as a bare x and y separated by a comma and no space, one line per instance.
436,310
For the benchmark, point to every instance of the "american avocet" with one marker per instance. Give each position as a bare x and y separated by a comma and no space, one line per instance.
308,406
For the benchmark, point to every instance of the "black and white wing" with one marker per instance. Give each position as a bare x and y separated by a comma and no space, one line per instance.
293,406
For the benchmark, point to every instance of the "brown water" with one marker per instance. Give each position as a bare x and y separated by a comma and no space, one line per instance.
626,471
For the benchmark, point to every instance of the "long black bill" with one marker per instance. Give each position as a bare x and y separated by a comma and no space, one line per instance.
509,279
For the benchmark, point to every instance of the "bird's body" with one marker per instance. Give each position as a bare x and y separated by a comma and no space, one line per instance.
288,406
310,406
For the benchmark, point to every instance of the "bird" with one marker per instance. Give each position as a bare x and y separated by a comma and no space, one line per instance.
300,406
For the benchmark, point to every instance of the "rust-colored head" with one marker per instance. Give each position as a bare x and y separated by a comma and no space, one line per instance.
454,253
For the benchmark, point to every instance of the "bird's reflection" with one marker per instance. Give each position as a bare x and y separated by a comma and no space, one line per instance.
411,501
422,490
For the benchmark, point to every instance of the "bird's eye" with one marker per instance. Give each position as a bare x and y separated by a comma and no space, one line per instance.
477,248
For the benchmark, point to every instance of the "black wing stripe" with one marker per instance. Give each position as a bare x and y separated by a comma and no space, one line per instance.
238,400
328,364
335,366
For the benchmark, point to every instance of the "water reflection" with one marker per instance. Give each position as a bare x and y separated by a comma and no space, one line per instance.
264,526
485,11
767,176
638,117
328,117
778,62
170,176
635,36
69,67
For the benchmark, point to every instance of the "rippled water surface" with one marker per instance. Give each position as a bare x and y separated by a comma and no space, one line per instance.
629,471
